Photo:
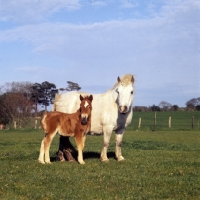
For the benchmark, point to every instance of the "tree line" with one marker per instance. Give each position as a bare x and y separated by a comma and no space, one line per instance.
20,100
191,105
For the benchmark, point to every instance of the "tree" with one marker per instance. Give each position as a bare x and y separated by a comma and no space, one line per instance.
71,86
15,103
35,95
165,105
174,107
43,94
193,103
155,108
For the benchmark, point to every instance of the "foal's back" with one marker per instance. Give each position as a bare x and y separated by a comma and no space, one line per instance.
62,122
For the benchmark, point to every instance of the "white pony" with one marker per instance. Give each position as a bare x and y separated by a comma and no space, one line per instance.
111,111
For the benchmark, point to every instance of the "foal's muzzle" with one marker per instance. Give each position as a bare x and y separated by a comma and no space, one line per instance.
84,120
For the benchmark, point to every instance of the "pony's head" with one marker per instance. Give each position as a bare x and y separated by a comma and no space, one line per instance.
85,108
124,91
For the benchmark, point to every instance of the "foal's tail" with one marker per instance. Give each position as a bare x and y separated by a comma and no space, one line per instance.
43,122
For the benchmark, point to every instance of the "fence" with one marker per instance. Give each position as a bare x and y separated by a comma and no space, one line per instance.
170,120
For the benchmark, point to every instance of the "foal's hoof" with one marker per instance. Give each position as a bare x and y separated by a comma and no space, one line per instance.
82,163
121,158
40,161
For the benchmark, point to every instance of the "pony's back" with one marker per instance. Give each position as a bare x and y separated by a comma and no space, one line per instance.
111,111
103,108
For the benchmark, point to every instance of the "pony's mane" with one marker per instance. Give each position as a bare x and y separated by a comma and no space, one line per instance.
126,80
57,97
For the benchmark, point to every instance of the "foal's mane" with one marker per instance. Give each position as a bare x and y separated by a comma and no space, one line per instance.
125,80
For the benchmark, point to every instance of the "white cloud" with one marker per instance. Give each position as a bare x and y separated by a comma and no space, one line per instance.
162,51
33,10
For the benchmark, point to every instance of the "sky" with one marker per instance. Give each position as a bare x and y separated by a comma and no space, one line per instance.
92,42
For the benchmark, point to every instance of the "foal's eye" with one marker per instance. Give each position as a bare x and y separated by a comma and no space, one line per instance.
131,92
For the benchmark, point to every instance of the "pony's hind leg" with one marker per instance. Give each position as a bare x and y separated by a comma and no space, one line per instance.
118,152
106,139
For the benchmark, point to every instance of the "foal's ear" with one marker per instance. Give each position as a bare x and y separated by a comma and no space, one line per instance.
81,98
90,98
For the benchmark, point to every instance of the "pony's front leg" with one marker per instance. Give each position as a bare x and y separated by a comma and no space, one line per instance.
118,152
106,140
79,143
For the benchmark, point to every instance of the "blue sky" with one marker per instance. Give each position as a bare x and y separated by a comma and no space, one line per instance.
93,42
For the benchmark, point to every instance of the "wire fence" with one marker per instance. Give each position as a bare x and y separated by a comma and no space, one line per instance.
170,120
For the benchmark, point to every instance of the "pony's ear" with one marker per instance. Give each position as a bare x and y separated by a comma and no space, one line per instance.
132,79
118,79
90,98
81,98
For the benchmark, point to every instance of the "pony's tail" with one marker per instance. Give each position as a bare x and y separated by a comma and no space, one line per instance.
43,122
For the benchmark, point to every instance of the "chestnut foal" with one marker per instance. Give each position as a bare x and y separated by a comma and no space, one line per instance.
77,124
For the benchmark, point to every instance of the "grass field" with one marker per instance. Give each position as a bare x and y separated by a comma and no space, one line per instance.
179,120
158,165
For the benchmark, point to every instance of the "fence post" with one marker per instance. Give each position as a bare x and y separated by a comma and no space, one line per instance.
15,124
192,122
170,122
139,124
35,123
155,122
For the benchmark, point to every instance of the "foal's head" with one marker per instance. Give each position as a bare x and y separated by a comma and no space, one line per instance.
85,108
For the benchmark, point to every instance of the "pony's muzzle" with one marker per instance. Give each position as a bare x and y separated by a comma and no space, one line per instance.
123,109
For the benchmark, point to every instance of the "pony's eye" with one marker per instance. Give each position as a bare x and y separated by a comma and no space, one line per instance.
131,92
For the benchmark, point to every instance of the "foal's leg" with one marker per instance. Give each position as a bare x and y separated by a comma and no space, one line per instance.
41,156
107,131
79,143
118,139
47,142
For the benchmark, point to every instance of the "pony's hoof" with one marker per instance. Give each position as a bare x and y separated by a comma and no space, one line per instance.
106,160
49,162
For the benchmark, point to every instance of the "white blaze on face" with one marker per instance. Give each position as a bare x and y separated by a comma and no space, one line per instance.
84,115
86,104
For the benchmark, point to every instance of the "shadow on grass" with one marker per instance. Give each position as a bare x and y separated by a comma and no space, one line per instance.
87,155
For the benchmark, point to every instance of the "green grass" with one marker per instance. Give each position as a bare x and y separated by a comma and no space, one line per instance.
179,120
158,165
